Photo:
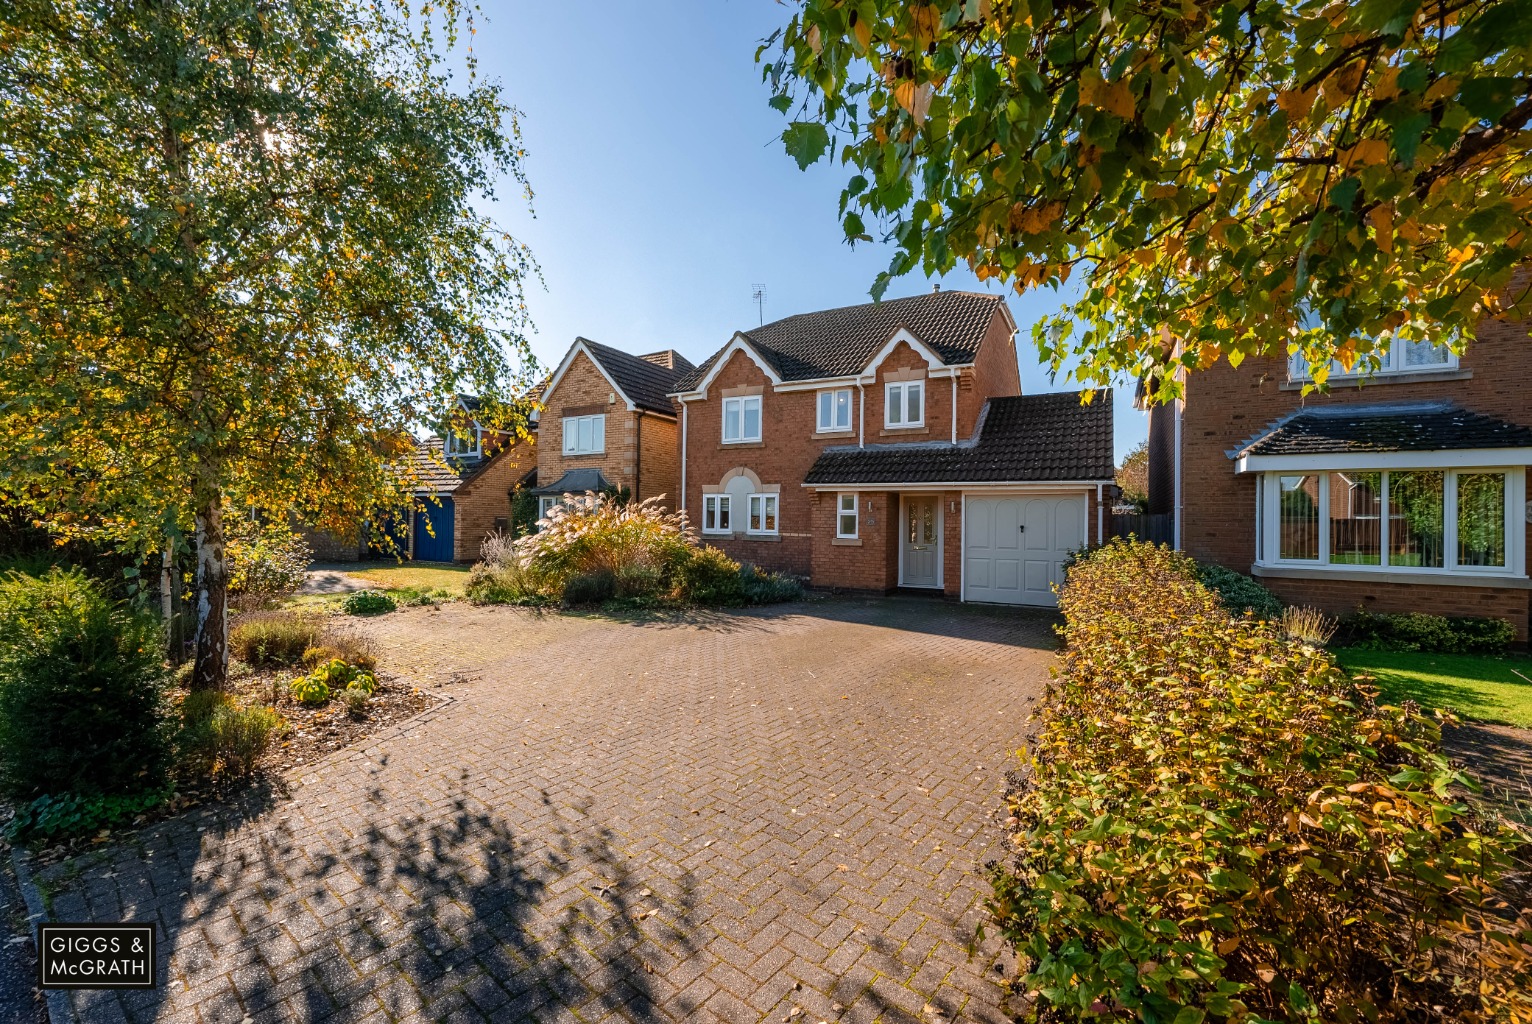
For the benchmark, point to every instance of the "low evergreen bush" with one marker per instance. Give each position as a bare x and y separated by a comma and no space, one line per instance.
83,687
368,602
1219,825
1240,593
221,738
590,588
1418,631
710,578
260,639
760,587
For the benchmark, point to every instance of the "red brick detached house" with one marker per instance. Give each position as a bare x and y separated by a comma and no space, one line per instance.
888,446
466,477
607,423
1402,489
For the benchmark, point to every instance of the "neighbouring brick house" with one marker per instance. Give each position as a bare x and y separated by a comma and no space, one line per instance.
1402,489
607,424
888,446
465,479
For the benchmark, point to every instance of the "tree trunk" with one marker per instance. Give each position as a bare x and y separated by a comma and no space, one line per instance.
211,670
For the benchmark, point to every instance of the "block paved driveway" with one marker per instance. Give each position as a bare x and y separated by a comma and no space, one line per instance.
725,817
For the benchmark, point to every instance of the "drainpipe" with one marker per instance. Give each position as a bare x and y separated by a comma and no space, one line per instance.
682,503
861,414
1176,511
1100,519
954,407
638,455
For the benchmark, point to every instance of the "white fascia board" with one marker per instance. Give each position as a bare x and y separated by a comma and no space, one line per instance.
1018,486
568,361
935,367
819,384
1464,458
738,343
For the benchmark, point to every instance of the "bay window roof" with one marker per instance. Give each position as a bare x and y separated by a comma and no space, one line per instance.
1352,432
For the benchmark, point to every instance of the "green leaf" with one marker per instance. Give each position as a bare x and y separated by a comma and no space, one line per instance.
806,142
781,101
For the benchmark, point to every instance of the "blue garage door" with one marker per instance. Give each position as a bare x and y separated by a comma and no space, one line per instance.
439,547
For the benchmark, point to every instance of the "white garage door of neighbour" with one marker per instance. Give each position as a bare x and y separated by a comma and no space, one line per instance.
1014,547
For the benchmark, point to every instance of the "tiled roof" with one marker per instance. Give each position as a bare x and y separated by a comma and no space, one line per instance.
645,382
670,359
434,477
1027,438
841,342
576,481
1415,427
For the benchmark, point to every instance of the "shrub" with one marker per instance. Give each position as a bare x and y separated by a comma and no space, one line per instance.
1308,625
593,535
50,819
220,737
348,647
356,700
591,587
1418,631
710,577
368,602
761,587
1218,824
82,691
272,638
309,689
1239,593
265,560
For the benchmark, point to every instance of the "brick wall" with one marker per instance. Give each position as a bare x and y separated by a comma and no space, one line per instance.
1225,406
483,500
659,458
995,375
583,390
330,547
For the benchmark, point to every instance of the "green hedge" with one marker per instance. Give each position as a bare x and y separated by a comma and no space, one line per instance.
1219,825
1436,634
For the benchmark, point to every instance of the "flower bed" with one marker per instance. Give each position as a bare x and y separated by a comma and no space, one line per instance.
1218,824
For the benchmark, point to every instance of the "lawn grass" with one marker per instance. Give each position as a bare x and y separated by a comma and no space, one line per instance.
1473,686
385,576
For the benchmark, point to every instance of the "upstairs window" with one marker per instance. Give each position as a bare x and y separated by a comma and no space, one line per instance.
846,516
585,435
834,411
1400,357
715,513
904,403
742,419
465,443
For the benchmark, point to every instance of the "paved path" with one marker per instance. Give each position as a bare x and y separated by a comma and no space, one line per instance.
722,818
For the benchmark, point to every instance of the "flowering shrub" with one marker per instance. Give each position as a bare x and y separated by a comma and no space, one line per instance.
1219,824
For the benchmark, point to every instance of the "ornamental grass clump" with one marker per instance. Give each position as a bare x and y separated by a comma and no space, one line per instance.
1219,825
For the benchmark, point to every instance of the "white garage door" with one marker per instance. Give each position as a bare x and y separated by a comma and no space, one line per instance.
1014,547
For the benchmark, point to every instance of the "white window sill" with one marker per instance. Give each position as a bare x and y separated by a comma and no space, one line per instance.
1407,377
1443,578
847,542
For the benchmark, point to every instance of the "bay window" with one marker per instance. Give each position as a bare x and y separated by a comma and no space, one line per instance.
742,419
1407,520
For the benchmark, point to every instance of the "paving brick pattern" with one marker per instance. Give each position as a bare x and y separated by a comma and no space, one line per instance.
726,817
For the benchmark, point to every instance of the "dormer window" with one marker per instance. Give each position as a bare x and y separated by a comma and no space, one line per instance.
464,444
834,411
904,403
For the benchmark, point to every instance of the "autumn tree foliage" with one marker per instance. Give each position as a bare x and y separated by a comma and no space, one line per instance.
240,264
1220,177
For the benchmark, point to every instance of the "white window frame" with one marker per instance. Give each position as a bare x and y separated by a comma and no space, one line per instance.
572,434
1269,521
456,444
841,511
901,388
545,503
1391,364
714,504
826,402
776,515
741,403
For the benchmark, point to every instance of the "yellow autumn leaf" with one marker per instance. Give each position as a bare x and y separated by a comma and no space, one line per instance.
1382,227
1113,97
1296,104
1369,152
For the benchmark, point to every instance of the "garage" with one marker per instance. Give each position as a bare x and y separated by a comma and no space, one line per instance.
1015,545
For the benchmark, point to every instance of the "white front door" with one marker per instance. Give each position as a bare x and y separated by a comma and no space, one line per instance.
1014,546
920,541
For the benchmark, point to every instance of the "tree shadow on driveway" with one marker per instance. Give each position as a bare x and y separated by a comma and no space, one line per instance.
458,918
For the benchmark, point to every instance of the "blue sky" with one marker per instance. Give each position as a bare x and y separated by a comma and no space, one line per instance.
662,193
